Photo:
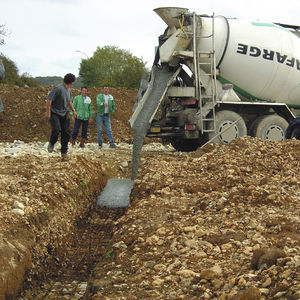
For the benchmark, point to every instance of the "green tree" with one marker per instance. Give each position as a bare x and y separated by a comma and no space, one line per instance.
12,74
112,66
27,79
11,71
3,34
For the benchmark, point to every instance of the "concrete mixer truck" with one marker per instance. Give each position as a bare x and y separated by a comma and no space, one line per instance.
216,79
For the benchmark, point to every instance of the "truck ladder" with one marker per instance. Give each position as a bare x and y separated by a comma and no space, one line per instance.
205,81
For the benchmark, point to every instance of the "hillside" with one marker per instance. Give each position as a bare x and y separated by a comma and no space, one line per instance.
24,116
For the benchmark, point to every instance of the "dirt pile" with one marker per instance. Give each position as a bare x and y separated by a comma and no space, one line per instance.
222,223
24,117
219,223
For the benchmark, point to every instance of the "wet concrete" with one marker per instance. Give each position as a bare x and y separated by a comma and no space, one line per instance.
161,77
116,193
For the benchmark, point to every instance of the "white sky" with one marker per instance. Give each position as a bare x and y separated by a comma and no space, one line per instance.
45,34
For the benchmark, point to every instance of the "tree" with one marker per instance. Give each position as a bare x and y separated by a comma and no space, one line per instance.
11,71
112,66
3,34
12,76
27,79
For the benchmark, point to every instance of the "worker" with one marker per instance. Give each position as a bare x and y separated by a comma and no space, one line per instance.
57,105
84,107
293,129
2,75
105,107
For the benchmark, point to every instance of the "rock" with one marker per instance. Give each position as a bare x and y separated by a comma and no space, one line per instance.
18,211
160,267
200,233
267,282
242,281
264,291
124,164
150,264
217,269
279,294
189,228
191,243
217,283
152,239
187,273
161,231
208,274
251,293
266,257
120,245
226,247
200,254
19,205
285,274
158,282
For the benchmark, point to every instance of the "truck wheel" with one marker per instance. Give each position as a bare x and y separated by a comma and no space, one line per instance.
185,145
224,119
270,127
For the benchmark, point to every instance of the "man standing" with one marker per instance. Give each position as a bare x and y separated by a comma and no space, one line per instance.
105,107
58,101
84,107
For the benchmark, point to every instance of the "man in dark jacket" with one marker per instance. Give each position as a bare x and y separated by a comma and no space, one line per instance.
58,101
293,129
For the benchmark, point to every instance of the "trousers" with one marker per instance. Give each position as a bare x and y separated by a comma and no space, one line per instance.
104,120
84,129
61,125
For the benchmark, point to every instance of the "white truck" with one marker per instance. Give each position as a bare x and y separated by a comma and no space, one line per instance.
226,78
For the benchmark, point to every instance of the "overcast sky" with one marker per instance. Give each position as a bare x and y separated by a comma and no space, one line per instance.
46,35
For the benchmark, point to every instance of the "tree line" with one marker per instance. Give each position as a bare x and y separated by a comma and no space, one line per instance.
109,65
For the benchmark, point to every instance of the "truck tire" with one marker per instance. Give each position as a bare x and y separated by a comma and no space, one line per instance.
271,127
225,118
185,145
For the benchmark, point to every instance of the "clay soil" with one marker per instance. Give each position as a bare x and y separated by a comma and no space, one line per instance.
24,119
218,223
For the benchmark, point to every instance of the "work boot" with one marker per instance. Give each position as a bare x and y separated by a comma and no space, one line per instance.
81,145
73,142
112,145
50,147
65,157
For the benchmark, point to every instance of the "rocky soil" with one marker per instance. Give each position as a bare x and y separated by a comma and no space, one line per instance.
24,119
218,223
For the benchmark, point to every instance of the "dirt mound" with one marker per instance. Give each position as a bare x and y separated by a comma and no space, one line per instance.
24,116
219,223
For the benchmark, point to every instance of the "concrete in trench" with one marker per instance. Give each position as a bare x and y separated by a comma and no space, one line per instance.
117,191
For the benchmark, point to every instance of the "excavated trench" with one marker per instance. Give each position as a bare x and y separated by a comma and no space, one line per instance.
68,268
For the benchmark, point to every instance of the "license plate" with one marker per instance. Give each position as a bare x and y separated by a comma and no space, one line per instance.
155,129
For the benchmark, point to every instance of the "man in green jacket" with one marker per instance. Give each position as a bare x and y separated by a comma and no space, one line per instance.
105,107
84,107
